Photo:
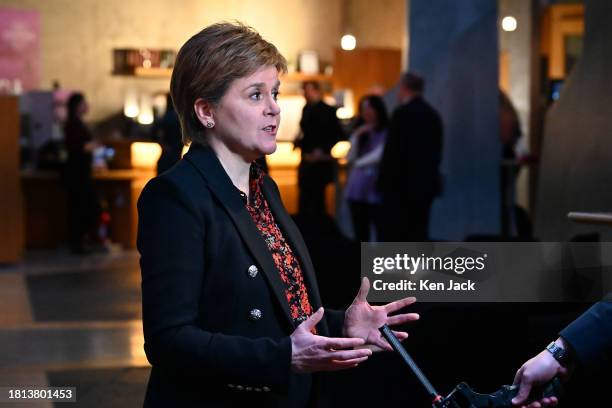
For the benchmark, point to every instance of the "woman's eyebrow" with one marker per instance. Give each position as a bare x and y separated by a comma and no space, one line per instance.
262,85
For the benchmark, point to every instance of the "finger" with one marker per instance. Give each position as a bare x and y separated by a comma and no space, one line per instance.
381,343
518,376
553,401
402,318
352,361
401,335
524,390
362,295
399,304
312,320
343,365
339,343
349,354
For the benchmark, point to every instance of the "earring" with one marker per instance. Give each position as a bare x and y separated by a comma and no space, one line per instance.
209,124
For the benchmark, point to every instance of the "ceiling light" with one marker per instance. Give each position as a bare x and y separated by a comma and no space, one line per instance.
509,23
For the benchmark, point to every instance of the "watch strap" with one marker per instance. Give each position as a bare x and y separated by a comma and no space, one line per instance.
559,353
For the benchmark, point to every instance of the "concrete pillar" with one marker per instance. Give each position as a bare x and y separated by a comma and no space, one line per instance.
454,46
518,46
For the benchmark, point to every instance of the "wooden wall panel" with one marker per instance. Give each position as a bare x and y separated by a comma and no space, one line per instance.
11,213
363,69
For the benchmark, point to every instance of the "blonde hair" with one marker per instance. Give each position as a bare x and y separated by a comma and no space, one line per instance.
207,64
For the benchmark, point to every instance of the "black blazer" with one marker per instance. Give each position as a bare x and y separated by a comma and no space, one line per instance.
205,269
411,159
591,334
320,128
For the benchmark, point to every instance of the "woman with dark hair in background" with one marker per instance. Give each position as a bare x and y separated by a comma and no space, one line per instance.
367,145
83,206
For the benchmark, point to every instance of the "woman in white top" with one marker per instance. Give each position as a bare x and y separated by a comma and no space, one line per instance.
367,144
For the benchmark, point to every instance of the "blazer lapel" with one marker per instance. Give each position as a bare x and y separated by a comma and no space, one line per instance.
294,237
209,167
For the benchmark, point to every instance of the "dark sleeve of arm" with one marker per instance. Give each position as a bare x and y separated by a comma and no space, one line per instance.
171,238
591,334
386,172
336,132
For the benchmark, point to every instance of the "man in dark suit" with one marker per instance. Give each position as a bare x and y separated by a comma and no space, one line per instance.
321,130
409,178
587,341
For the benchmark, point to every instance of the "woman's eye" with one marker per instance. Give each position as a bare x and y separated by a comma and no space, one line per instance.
256,96
275,95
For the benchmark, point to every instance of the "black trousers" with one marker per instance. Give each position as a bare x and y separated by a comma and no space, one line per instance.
405,219
83,209
363,216
313,177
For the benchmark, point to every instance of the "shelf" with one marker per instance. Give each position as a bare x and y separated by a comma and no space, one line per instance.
156,73
153,72
301,77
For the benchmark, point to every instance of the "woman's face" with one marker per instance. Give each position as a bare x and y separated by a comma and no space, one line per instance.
368,114
247,117
83,108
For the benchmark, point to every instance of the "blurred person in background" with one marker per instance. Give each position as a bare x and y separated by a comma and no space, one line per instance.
367,145
320,131
409,177
83,206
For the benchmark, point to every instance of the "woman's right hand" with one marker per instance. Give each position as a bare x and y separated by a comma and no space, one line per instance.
310,352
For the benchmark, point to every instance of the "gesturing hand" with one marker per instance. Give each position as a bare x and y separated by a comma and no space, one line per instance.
363,320
310,352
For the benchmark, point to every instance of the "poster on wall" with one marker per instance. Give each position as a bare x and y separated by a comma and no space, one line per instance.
19,50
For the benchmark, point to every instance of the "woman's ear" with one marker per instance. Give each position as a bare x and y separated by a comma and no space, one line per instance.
203,111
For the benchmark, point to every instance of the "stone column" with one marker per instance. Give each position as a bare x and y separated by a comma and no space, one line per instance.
522,49
454,46
576,160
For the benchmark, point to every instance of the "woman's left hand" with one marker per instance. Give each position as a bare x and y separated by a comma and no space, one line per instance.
363,320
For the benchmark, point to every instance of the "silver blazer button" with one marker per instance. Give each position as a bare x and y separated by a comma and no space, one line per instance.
252,271
255,314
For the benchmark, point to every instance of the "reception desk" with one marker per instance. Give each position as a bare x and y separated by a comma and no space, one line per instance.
45,198
45,205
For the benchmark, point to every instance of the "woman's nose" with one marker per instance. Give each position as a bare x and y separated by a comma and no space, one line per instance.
273,108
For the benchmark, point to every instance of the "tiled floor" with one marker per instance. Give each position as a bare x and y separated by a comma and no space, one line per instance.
74,321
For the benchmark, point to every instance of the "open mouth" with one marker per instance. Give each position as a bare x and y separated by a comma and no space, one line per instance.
270,129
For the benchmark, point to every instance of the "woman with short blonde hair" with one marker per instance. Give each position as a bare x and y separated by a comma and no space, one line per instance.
231,309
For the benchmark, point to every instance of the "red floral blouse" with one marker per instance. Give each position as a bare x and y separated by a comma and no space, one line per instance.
284,259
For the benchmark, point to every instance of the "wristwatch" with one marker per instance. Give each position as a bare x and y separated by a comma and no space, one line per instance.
559,353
